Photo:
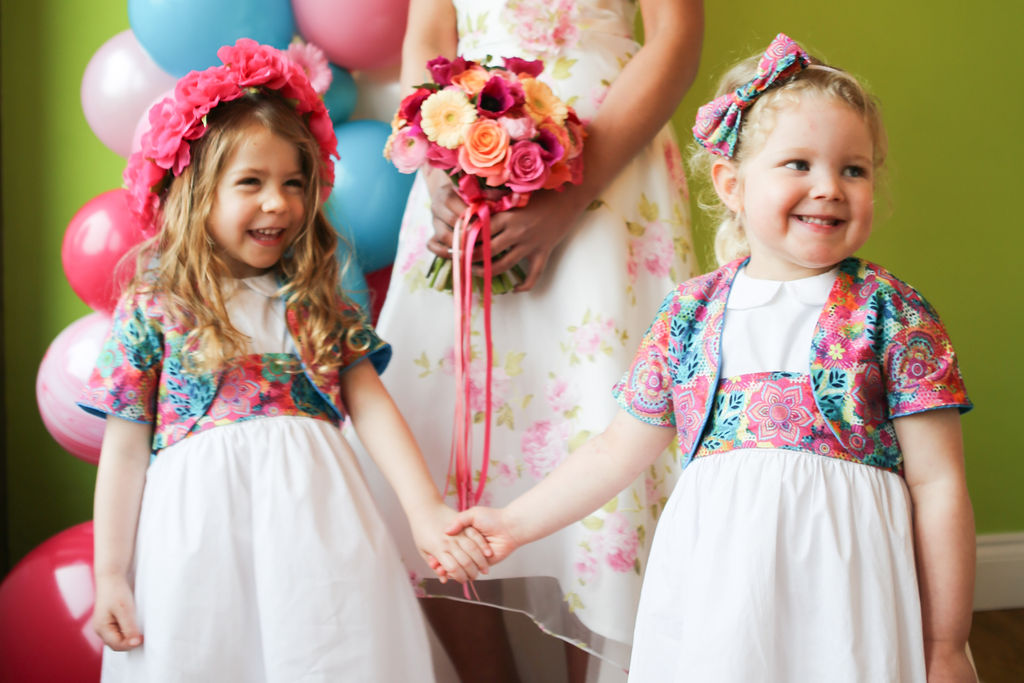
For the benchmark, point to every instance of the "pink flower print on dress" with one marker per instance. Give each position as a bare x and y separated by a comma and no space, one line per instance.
654,249
545,444
235,396
585,565
676,171
619,542
544,26
478,380
589,337
561,396
780,413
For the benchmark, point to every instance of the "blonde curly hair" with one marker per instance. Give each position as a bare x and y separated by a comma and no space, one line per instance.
182,261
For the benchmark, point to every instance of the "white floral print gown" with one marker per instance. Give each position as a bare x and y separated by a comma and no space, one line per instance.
559,348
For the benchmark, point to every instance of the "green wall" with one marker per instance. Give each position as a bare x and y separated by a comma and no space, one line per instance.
946,72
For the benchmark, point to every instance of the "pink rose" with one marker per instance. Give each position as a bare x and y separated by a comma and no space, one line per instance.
207,88
256,64
523,66
409,109
526,169
408,149
519,127
442,157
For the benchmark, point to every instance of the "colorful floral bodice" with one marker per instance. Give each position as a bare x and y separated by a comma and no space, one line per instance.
141,375
879,351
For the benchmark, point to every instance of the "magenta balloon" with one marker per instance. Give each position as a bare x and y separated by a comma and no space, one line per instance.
354,34
118,86
46,605
62,375
99,234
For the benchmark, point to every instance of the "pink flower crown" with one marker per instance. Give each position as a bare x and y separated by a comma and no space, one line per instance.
176,121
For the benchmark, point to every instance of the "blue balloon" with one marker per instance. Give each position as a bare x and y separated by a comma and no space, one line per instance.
340,98
369,195
353,282
184,35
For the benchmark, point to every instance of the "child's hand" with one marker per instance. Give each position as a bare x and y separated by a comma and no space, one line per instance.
490,523
460,556
113,617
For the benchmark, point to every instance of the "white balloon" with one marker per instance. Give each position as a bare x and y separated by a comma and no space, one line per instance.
118,86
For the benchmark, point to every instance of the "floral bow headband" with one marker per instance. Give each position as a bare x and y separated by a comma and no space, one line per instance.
718,121
176,121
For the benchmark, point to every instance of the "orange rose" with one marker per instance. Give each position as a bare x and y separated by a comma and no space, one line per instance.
472,80
484,149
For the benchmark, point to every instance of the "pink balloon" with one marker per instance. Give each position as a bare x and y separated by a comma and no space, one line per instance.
118,86
46,605
354,34
62,375
99,234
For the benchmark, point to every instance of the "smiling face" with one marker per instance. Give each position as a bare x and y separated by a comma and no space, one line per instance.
806,197
258,203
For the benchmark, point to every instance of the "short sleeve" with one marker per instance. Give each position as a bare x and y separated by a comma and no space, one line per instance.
921,368
645,390
362,342
124,381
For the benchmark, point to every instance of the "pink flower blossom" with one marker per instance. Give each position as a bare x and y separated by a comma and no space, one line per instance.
518,127
519,66
544,445
408,149
313,62
585,566
255,64
526,169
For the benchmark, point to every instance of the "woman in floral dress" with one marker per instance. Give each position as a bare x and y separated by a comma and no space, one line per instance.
599,258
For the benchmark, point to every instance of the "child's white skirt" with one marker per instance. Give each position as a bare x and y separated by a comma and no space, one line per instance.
775,565
261,557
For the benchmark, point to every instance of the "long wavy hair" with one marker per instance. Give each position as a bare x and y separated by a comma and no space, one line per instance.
182,262
818,79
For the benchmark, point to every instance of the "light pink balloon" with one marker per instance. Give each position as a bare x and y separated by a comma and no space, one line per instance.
354,34
118,86
62,375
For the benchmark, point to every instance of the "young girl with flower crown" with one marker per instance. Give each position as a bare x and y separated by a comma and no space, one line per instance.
821,529
235,537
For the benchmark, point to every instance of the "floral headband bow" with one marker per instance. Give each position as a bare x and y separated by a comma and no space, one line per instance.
718,121
176,121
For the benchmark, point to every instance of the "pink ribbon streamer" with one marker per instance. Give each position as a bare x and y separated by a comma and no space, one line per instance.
474,224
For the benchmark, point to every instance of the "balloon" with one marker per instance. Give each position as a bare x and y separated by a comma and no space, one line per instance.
380,93
46,605
377,282
62,375
340,98
119,83
184,35
369,195
355,34
352,281
99,234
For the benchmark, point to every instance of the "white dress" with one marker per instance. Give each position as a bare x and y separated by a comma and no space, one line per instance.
773,564
261,556
559,348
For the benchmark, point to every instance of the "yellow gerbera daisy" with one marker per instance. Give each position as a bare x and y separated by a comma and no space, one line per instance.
541,103
446,116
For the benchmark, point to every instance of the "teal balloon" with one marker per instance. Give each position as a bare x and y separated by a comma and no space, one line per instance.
341,97
369,195
184,35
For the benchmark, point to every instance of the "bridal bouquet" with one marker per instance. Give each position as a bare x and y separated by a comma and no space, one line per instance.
499,133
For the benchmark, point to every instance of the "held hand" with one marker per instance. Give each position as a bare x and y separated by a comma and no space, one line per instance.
447,207
113,617
460,556
491,524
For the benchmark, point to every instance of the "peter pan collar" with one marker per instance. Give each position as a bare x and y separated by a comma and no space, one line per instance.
748,292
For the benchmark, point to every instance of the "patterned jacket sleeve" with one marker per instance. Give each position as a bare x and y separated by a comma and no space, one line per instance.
645,390
124,381
919,362
361,342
